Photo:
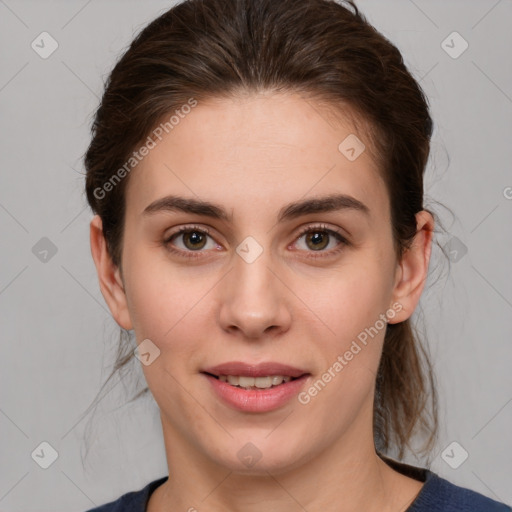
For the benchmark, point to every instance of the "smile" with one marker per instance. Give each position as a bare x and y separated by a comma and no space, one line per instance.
255,382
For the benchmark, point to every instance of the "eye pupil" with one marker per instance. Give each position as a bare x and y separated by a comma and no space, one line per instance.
195,238
318,238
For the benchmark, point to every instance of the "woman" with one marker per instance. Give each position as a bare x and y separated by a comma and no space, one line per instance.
256,171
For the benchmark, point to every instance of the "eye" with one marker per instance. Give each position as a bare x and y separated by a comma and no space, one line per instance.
317,238
193,238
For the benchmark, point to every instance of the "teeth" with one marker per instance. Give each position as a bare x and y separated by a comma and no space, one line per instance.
255,382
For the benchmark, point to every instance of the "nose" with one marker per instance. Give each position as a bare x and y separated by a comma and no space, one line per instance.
254,302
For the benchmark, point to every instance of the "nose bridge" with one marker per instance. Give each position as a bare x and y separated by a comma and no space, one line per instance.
253,299
253,277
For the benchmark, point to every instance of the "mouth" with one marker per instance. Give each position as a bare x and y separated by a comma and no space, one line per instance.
255,383
255,375
255,387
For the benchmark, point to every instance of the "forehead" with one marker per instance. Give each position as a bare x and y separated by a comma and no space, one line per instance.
260,149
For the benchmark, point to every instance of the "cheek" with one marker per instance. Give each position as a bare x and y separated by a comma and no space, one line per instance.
351,307
166,308
170,307
350,333
161,296
347,301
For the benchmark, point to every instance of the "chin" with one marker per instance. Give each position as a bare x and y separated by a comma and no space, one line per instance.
260,456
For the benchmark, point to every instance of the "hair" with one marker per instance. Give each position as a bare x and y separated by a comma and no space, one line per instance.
324,51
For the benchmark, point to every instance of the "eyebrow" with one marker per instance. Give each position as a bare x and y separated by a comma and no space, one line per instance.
324,204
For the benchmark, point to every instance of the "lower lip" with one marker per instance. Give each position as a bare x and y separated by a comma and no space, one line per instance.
256,400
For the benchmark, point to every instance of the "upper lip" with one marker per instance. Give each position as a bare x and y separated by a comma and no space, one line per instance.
238,368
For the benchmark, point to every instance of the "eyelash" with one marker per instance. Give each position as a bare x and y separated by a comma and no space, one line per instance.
307,229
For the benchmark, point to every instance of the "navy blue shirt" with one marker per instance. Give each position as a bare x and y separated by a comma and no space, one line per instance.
436,495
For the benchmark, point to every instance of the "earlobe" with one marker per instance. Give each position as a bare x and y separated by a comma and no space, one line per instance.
109,276
412,270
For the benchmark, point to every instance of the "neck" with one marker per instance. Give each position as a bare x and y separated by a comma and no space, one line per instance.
348,476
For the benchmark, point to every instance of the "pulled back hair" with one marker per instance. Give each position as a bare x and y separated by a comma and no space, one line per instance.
204,49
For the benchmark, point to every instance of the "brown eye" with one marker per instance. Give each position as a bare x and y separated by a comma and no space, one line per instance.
320,242
189,240
194,240
317,240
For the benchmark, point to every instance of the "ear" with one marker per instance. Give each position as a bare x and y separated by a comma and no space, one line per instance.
412,270
110,279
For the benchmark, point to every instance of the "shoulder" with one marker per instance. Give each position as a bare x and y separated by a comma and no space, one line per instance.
440,495
135,501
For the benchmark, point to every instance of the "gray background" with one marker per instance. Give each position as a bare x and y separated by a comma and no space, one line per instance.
58,338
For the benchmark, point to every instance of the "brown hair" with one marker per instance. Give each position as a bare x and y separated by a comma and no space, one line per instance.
205,49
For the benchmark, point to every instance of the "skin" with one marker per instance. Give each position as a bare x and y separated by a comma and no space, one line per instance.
253,155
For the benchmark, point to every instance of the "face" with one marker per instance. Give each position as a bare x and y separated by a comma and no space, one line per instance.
255,280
